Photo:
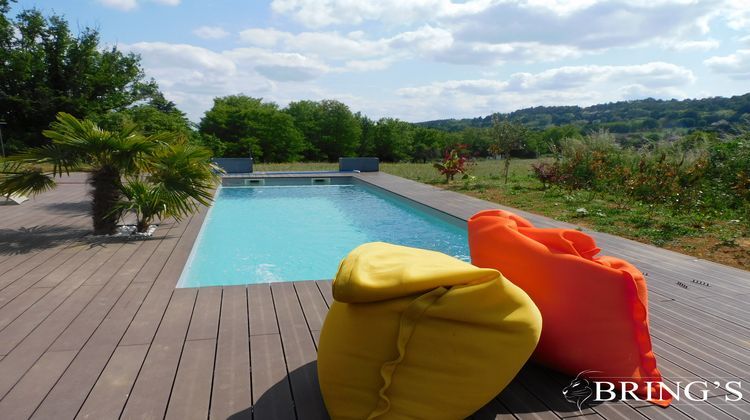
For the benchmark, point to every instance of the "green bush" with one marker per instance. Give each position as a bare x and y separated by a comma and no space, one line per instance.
695,173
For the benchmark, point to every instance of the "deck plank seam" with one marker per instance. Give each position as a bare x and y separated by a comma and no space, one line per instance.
216,352
283,351
93,332
179,358
145,356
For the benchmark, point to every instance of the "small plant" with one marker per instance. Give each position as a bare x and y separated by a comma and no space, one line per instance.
547,173
454,162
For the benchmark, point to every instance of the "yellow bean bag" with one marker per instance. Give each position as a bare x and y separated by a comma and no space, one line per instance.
419,334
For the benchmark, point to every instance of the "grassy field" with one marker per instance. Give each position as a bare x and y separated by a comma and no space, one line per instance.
716,237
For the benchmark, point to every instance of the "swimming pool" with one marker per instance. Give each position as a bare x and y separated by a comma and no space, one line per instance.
301,232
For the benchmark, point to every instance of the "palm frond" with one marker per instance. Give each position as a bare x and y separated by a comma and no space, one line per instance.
26,181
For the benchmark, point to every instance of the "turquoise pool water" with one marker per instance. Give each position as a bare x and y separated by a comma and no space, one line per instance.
271,234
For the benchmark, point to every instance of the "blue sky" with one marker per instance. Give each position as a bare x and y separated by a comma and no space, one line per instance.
428,59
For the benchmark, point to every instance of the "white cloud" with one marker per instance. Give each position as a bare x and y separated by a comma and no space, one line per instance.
692,45
280,67
186,56
736,65
192,76
424,42
211,32
737,14
493,32
124,5
354,47
319,13
263,37
368,65
572,85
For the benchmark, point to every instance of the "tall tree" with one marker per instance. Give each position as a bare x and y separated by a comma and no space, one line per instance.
507,137
427,144
47,69
329,127
155,116
249,126
392,140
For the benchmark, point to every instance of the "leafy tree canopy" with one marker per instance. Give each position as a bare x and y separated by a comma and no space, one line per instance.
249,126
329,127
47,69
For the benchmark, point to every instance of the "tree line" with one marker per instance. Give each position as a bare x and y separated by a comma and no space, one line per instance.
718,114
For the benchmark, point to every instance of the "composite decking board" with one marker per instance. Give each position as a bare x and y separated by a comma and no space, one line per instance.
493,410
56,299
692,316
704,331
706,308
10,276
143,327
523,404
70,392
693,364
272,397
114,286
66,286
191,394
142,250
49,265
655,412
152,388
25,354
205,322
261,310
299,351
325,289
313,305
555,382
232,391
169,237
672,374
740,410
111,391
678,333
166,254
20,304
35,240
87,252
659,272
36,211
718,285
538,382
699,312
23,399
30,222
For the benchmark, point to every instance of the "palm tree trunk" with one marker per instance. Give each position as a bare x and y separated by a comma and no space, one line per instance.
142,226
105,194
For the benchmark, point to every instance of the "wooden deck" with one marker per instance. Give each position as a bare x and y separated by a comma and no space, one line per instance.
95,329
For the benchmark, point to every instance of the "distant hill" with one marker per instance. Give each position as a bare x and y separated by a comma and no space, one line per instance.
646,115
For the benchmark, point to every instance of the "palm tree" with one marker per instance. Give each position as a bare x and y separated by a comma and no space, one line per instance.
109,156
176,182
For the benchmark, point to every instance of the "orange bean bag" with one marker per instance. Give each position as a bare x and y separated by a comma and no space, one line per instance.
594,308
